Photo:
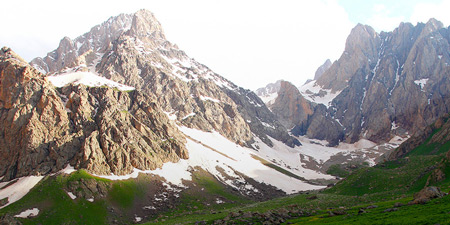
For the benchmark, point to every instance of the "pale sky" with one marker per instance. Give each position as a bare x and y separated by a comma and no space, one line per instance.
249,42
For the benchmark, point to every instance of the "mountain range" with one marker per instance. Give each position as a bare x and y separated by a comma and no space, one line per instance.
384,85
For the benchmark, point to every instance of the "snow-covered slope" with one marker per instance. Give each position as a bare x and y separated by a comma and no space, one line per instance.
213,152
269,93
216,154
87,78
269,98
313,92
16,189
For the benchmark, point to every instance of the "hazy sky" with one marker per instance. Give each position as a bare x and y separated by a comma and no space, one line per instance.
249,42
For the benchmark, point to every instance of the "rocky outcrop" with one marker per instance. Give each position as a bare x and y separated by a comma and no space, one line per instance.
137,54
321,126
99,129
436,133
31,116
426,194
121,131
290,107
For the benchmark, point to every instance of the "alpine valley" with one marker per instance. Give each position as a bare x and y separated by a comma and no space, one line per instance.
120,126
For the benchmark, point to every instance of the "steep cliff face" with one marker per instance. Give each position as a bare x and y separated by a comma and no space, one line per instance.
290,106
383,84
139,55
31,116
99,129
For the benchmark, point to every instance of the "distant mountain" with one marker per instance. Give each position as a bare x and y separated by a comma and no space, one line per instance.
270,92
321,70
384,84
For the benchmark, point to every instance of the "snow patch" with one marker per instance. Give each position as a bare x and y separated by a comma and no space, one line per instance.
230,156
315,93
206,98
28,213
269,99
69,169
289,158
394,125
188,115
137,219
133,174
421,83
268,125
90,199
87,78
18,188
71,195
171,115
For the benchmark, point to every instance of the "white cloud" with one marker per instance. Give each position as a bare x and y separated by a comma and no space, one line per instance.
256,42
382,19
249,42
379,8
424,11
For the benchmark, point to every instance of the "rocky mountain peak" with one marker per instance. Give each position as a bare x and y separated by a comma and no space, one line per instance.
361,51
321,70
7,53
362,38
433,25
428,28
145,24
